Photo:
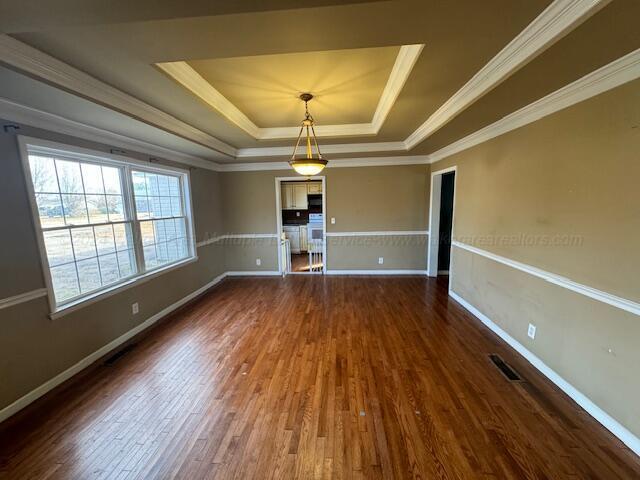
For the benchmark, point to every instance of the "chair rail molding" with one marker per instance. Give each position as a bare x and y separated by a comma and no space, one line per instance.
23,297
604,297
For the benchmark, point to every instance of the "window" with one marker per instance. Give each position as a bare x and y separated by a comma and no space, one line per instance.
105,221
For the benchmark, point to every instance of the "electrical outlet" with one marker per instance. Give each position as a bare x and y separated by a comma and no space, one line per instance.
135,308
333,220
258,261
531,332
380,260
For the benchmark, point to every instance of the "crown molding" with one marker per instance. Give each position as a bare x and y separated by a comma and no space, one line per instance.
334,163
45,67
33,117
553,23
616,73
190,79
336,148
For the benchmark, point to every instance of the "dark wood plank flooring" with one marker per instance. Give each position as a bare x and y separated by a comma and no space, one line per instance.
313,377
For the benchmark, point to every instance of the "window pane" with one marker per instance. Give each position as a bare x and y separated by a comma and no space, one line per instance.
181,228
112,181
150,258
123,236
75,210
105,239
69,176
89,275
127,262
163,256
163,185
92,178
174,186
58,246
65,282
83,242
43,174
147,233
152,184
139,183
159,232
142,207
155,207
170,229
97,205
109,268
183,248
115,208
50,210
172,251
176,207
165,203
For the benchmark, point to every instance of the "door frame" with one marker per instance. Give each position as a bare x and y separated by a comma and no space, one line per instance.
434,218
279,180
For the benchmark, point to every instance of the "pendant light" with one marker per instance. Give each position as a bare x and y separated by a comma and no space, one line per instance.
311,164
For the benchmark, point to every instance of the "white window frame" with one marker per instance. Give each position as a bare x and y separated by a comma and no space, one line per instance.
30,145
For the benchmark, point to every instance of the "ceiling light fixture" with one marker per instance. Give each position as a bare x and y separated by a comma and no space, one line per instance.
312,164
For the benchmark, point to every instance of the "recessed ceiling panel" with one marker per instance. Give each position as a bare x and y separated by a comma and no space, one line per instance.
346,84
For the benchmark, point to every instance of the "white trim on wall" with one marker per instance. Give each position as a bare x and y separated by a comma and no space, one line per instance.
23,297
553,23
376,272
434,220
616,73
279,226
611,424
33,117
399,233
253,273
190,79
211,240
53,71
604,297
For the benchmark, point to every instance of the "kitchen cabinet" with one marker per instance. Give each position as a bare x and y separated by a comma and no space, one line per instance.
293,196
314,188
292,233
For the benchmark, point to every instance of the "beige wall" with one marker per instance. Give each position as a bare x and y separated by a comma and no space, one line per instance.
34,348
575,172
361,200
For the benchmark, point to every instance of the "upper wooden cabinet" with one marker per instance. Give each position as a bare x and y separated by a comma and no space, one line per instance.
314,187
293,196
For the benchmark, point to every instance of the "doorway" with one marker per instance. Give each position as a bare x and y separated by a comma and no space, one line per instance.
441,215
300,209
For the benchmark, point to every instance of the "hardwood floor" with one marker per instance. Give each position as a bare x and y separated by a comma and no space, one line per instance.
314,377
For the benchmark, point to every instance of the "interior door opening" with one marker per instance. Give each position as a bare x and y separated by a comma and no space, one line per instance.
301,225
441,216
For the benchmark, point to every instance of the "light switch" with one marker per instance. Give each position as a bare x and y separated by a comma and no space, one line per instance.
333,220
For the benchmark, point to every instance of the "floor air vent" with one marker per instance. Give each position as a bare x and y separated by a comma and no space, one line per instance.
113,359
506,370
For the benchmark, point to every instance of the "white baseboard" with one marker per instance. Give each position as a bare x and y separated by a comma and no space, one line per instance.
253,273
376,272
49,385
628,438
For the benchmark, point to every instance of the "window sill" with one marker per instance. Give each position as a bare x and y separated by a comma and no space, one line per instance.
102,294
